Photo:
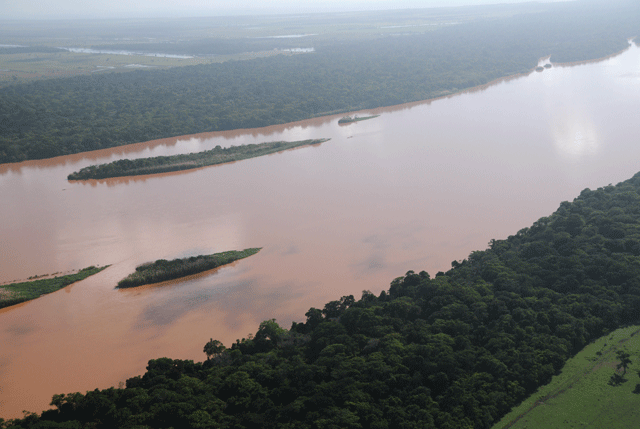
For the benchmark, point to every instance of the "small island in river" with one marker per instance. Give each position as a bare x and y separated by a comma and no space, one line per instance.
164,164
349,119
15,293
162,270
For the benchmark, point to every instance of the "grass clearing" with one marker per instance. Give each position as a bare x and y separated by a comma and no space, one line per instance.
582,396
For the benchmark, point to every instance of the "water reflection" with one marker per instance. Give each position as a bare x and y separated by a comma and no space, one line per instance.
575,137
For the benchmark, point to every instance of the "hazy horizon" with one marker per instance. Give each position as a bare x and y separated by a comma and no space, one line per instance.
92,9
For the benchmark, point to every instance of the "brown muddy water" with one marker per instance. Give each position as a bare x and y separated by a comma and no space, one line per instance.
414,189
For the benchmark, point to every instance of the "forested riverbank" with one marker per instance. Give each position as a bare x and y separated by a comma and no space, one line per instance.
56,117
455,350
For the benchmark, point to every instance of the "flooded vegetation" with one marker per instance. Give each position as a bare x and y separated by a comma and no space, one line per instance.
15,293
165,164
163,270
349,119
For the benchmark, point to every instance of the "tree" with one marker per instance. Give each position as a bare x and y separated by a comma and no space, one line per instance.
624,361
213,348
269,330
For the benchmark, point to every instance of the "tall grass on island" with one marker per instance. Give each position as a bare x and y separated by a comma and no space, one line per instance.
16,293
162,270
165,164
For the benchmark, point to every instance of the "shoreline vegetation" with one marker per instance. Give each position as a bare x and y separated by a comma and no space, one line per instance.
162,270
189,161
15,293
349,119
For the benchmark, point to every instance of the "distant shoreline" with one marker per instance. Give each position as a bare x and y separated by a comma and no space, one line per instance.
62,159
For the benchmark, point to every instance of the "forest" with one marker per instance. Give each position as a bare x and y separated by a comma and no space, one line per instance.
54,117
456,350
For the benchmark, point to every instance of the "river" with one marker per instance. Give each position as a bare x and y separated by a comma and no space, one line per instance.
413,189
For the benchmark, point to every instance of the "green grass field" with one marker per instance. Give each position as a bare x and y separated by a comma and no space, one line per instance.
581,396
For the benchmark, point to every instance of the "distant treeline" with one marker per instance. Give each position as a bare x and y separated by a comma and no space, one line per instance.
162,270
16,293
206,47
28,50
164,164
454,351
61,116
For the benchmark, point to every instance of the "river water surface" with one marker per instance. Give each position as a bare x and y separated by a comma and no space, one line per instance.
414,189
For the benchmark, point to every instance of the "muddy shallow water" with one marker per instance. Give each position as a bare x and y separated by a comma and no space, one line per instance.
414,189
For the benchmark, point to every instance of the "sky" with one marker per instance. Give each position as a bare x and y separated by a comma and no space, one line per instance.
71,9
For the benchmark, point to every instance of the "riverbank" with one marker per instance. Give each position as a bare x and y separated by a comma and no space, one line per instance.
94,155
162,270
595,60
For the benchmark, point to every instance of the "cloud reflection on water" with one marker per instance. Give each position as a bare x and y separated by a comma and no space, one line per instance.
575,137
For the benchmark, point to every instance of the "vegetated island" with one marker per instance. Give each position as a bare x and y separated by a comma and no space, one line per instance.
349,119
161,270
16,293
165,164
457,350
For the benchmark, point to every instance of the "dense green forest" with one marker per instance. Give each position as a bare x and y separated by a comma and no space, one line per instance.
162,270
454,351
189,161
61,116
